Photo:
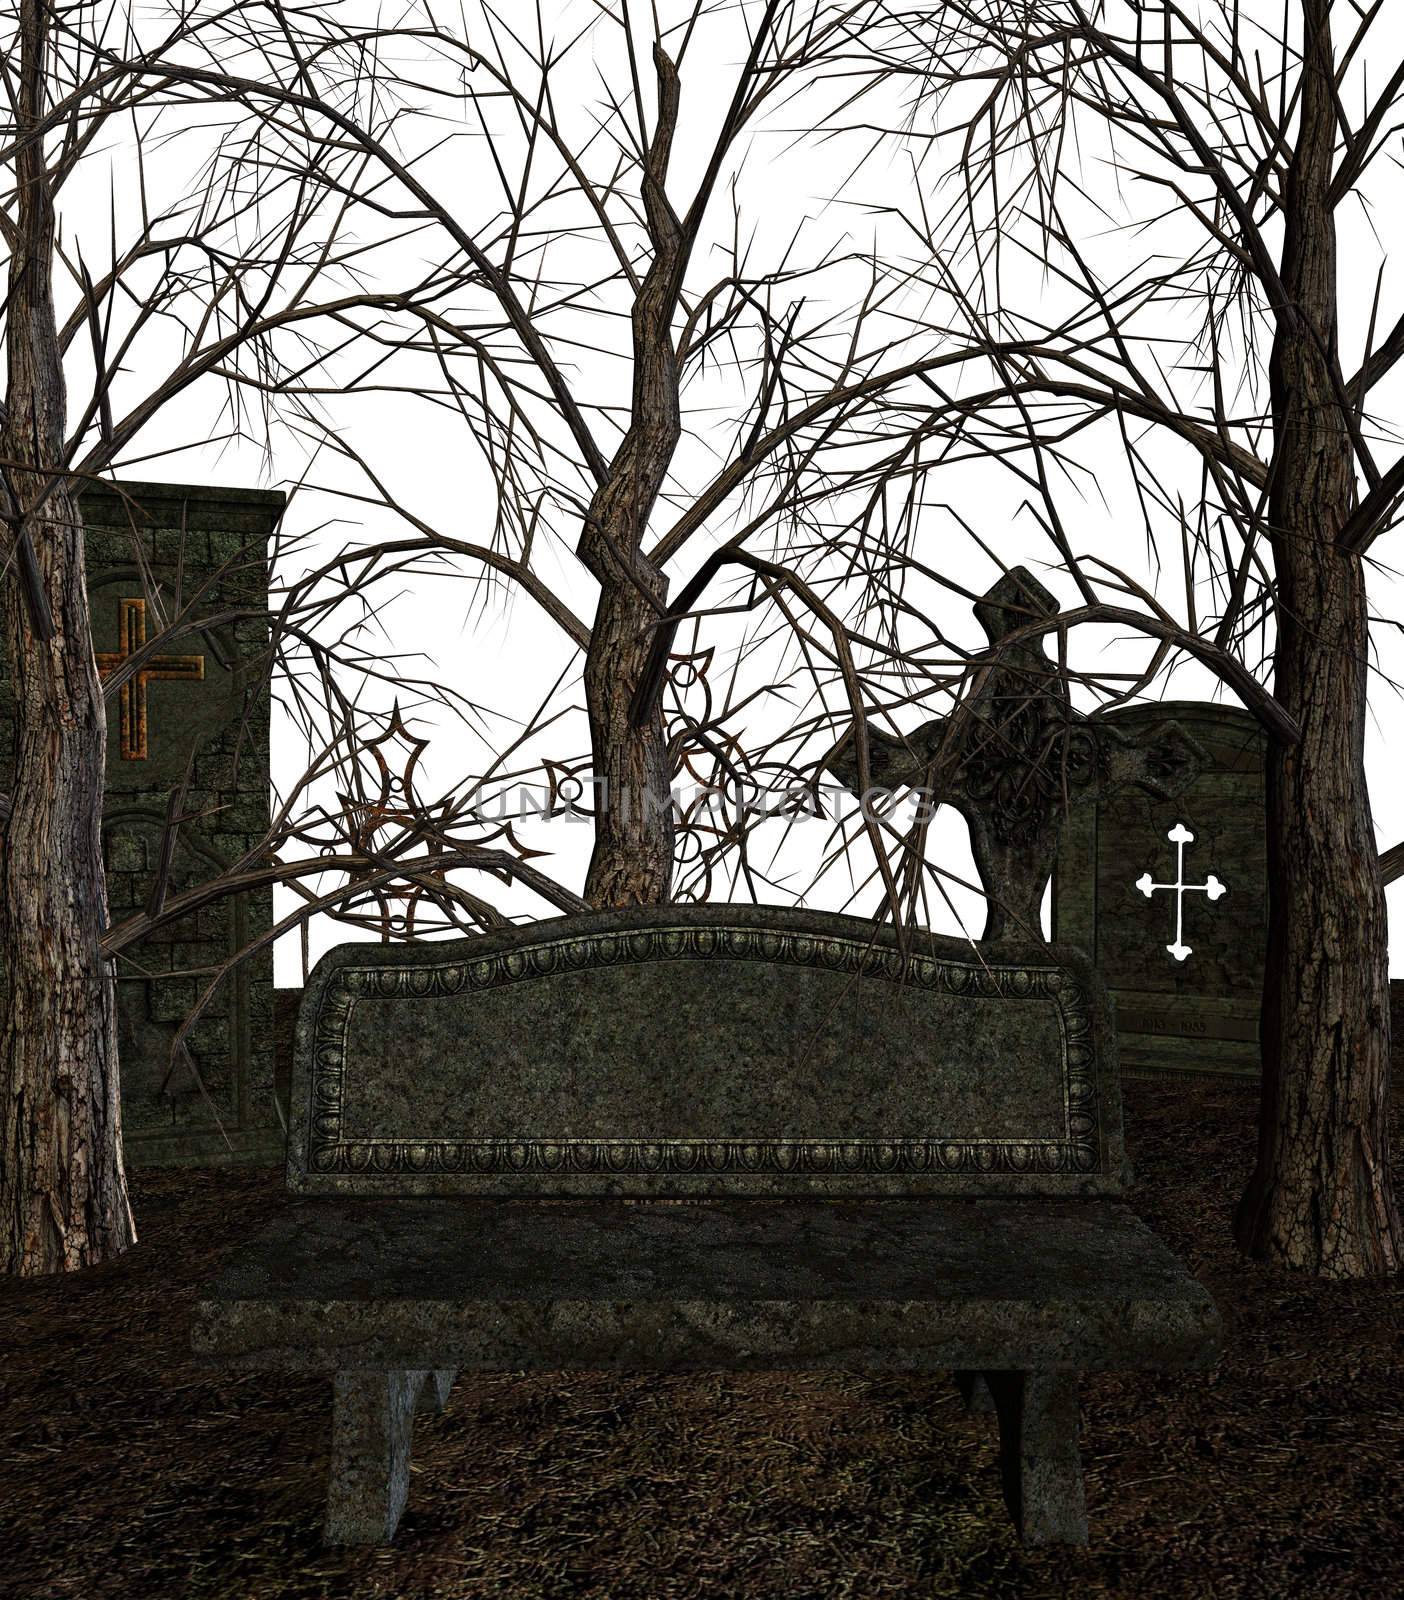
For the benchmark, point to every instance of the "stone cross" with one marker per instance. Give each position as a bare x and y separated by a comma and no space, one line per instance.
1180,836
132,695
1016,755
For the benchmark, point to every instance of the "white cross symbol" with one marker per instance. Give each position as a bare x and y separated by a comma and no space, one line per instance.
1180,836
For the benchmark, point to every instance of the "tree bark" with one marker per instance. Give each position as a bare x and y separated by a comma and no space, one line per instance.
632,863
1320,1195
63,1193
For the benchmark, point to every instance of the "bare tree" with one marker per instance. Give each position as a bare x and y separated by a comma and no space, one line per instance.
944,356
611,449
1231,140
257,275
214,272
604,463
840,379
645,381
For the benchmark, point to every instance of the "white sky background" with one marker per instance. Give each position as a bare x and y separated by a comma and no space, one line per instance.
508,658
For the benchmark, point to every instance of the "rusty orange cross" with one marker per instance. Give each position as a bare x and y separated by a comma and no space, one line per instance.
132,694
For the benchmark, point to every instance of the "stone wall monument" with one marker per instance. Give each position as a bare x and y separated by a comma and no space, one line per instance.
191,695
1169,898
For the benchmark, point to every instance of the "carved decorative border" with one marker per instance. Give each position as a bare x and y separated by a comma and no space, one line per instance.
1075,1152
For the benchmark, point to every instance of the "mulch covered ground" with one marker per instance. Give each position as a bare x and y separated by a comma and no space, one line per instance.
127,1470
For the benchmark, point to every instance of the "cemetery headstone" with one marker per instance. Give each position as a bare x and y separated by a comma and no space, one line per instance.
1169,898
1021,759
190,696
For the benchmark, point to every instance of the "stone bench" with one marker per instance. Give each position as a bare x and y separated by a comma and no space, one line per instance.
902,1160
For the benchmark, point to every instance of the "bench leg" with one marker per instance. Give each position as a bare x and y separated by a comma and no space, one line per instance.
372,1423
974,1391
1038,1454
434,1395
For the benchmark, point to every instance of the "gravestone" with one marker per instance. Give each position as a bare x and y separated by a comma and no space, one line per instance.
191,695
1017,757
1169,898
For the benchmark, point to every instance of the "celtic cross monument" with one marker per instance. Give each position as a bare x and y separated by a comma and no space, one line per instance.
1016,757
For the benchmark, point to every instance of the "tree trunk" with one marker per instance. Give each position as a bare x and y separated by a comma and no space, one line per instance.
1320,1196
63,1194
632,863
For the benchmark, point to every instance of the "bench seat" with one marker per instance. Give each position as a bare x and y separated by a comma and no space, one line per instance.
804,1283
394,1296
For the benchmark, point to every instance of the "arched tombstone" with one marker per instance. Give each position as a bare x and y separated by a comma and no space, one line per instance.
1169,898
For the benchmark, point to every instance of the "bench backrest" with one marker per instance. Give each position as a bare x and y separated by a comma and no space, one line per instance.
704,1050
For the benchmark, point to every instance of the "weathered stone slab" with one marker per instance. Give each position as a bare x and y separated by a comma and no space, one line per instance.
703,1050
1189,1003
898,1285
192,696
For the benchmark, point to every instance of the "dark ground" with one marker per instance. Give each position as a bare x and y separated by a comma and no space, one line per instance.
128,1471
